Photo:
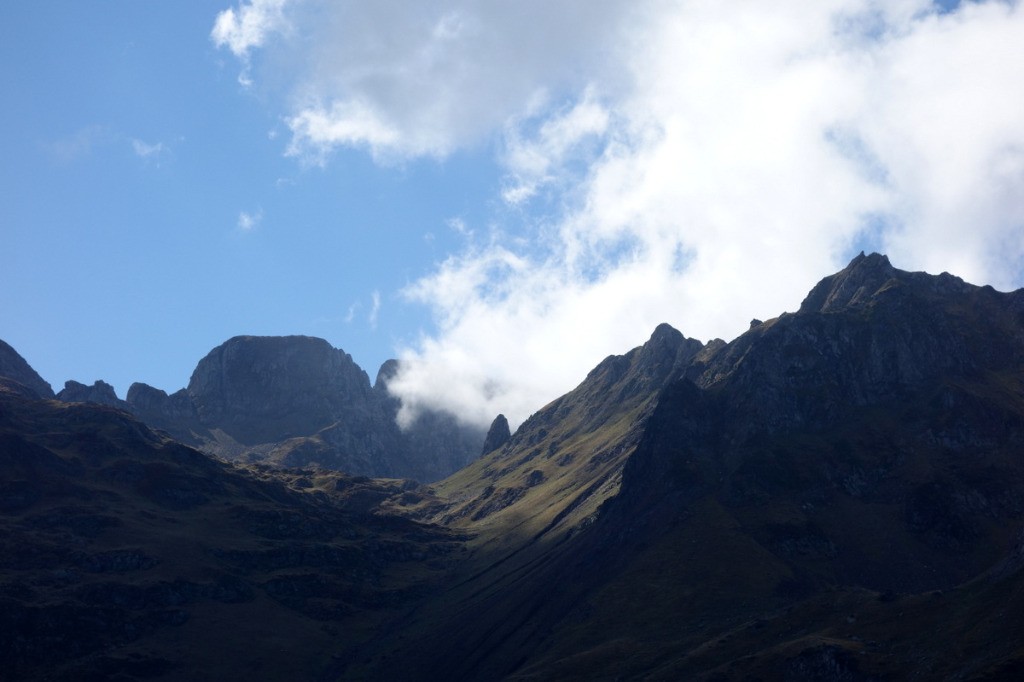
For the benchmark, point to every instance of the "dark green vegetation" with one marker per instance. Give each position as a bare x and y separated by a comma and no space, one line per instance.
838,494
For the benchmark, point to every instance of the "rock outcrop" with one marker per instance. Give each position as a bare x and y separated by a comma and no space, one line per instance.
296,401
100,393
497,435
262,389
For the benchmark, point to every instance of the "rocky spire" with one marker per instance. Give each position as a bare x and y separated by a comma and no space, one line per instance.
497,435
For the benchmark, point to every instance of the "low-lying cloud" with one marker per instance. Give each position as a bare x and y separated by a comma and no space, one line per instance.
709,162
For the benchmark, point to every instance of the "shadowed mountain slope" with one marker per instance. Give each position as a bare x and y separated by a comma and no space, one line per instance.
126,555
14,367
838,494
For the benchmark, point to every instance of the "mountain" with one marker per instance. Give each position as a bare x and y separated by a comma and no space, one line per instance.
836,494
14,368
100,393
295,401
126,555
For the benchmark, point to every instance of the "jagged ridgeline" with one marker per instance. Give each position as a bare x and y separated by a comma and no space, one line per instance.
837,494
295,401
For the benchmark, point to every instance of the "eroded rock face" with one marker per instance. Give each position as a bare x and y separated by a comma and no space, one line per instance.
292,401
295,401
260,389
497,435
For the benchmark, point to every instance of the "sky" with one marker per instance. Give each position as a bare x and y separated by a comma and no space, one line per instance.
499,194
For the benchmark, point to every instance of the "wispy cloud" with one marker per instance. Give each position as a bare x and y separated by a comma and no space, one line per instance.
92,139
248,221
147,151
374,309
248,27
709,162
403,81
541,156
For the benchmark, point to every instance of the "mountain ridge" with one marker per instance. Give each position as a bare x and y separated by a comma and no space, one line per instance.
841,464
293,401
835,494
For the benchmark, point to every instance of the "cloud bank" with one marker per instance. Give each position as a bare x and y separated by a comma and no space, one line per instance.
684,161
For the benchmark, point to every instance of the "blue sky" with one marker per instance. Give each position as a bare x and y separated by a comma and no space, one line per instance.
499,193
131,152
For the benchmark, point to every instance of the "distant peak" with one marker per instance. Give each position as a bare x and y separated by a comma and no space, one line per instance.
853,285
874,259
386,373
666,333
100,392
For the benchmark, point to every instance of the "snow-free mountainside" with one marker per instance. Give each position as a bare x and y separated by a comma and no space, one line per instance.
837,494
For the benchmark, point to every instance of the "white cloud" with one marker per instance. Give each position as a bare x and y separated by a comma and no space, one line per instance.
248,221
407,79
540,158
711,161
249,28
374,309
147,151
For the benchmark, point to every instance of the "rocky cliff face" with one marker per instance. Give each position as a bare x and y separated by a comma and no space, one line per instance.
497,435
295,401
261,389
291,401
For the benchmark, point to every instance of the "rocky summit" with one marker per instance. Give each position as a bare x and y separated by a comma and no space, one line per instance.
295,401
836,494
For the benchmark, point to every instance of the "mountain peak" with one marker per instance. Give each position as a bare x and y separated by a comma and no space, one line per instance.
14,367
387,372
100,393
497,435
853,286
